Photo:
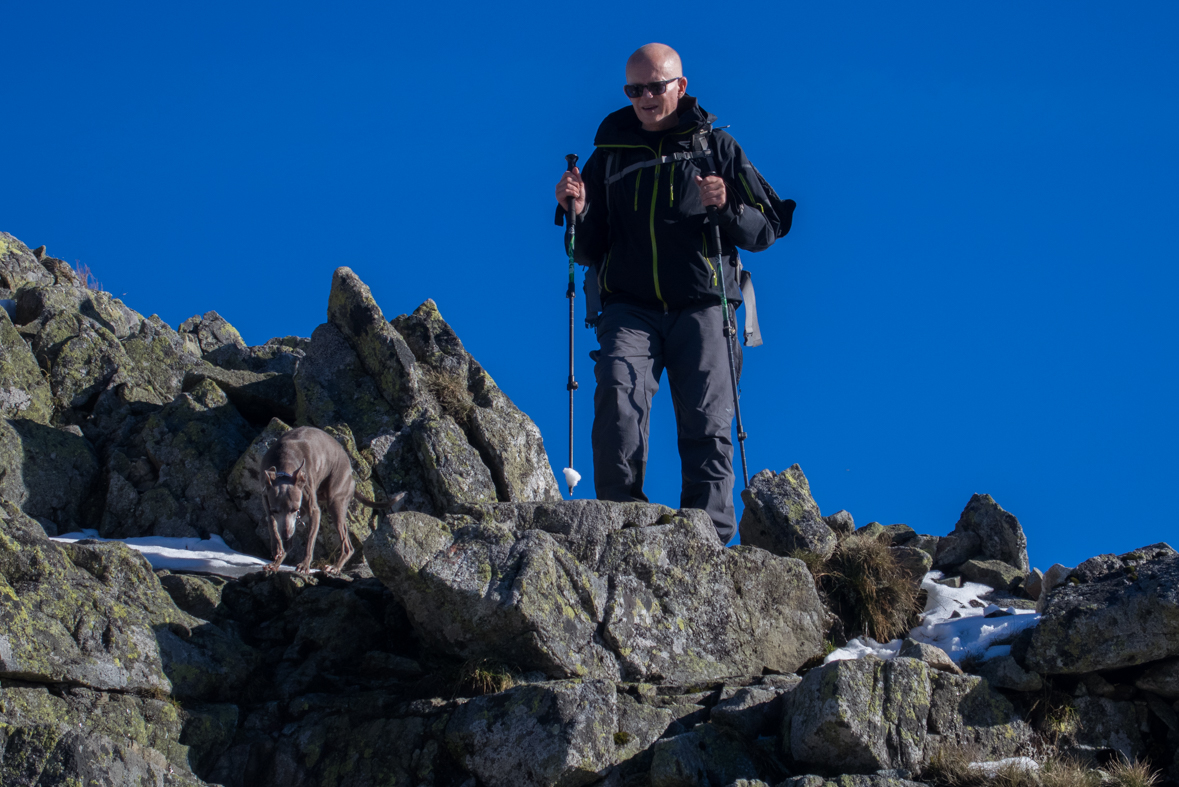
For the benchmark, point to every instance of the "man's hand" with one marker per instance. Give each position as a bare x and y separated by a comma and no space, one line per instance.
571,185
712,190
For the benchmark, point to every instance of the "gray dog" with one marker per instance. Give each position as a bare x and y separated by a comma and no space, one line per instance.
305,466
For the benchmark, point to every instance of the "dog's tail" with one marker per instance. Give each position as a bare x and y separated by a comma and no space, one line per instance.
392,504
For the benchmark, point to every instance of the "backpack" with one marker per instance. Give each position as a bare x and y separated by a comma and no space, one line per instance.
701,148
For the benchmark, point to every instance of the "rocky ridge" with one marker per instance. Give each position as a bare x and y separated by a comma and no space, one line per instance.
492,634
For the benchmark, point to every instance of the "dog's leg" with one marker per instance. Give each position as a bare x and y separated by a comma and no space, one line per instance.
312,532
280,554
340,512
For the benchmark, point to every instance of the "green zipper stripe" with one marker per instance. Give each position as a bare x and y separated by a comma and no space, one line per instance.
752,201
704,238
671,187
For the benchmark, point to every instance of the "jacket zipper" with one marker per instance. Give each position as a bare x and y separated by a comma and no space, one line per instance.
707,259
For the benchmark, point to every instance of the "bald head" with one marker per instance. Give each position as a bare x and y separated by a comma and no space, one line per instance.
657,70
660,57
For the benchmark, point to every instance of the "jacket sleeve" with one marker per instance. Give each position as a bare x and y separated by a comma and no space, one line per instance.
748,218
593,230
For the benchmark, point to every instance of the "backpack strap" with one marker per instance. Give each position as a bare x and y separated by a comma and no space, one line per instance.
668,159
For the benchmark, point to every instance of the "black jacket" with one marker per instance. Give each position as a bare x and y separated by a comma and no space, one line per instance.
650,240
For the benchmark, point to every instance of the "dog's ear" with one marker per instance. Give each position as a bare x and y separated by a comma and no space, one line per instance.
396,502
270,474
299,476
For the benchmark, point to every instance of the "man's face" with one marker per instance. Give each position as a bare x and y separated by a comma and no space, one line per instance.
656,113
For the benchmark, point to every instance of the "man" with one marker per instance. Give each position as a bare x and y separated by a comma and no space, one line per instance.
644,226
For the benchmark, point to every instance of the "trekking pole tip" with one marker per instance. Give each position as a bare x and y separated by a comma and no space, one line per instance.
571,478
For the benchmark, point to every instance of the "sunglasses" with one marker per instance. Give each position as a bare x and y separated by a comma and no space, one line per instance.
656,88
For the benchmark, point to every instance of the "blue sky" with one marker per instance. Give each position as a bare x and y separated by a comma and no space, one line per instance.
978,295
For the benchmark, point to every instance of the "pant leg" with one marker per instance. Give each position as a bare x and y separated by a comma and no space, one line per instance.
702,392
627,372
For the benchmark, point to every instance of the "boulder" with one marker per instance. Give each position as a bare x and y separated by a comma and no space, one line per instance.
24,392
559,734
849,780
1161,679
79,614
332,387
211,332
1110,726
996,533
915,561
193,443
899,535
841,523
1004,672
19,267
930,654
509,443
866,715
992,573
74,735
753,711
258,396
1127,618
280,355
707,755
782,517
49,473
598,589
1057,575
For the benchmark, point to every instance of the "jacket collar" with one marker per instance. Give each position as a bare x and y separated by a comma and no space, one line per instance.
622,127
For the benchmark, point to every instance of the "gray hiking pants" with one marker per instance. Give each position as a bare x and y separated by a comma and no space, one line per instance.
637,344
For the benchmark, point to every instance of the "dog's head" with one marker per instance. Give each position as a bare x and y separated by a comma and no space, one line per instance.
284,499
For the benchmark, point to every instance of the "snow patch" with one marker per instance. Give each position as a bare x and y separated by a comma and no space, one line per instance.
955,620
205,556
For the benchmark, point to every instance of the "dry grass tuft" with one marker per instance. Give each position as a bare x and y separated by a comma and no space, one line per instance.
477,677
451,394
870,592
950,767
86,276
1067,772
1138,773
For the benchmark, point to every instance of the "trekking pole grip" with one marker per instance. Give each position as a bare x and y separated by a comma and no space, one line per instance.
570,220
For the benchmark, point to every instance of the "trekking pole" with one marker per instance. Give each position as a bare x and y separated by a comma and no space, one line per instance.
571,475
730,334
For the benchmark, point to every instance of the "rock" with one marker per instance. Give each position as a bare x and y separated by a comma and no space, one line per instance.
277,356
1056,576
899,535
598,589
1123,620
1003,672
211,332
705,756
992,573
1161,679
841,523
866,715
871,530
930,654
955,549
508,442
860,716
381,349
782,517
75,735
257,396
19,267
1109,725
915,561
24,392
999,535
85,615
332,387
48,472
1033,584
453,471
193,442
950,582
753,711
543,735
198,596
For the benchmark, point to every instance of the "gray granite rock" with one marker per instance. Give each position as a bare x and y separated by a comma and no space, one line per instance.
782,517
